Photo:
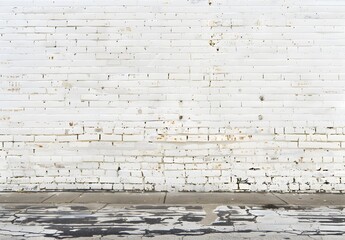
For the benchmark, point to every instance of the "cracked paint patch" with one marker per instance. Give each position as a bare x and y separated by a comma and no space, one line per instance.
61,221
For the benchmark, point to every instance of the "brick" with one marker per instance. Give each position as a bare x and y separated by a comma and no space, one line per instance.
102,98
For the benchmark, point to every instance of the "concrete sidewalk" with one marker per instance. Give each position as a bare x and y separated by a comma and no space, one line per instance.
166,216
258,199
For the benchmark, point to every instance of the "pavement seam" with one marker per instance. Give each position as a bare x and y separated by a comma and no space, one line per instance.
100,208
280,199
165,197
54,194
75,198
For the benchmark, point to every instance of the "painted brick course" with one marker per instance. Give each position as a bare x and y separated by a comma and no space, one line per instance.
173,95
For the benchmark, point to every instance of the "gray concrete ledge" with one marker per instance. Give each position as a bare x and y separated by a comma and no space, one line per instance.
174,198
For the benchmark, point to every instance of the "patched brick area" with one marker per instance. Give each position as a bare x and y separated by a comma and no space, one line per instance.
172,95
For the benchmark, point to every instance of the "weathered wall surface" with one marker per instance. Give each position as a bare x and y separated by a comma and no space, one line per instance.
172,95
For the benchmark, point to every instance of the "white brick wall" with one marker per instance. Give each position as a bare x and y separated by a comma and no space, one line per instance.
172,95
